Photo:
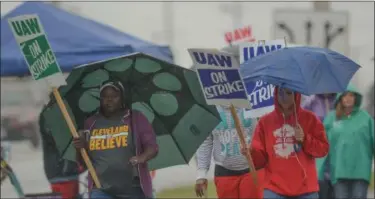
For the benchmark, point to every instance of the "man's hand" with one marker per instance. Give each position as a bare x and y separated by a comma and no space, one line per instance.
200,187
299,134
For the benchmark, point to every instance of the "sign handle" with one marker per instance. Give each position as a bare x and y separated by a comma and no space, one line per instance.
73,130
240,134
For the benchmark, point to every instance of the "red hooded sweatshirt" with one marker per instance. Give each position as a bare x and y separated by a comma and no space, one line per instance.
287,172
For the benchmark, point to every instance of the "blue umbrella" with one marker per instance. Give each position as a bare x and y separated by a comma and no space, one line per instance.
307,70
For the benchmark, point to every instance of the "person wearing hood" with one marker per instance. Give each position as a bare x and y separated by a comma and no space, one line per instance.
321,105
232,177
119,142
350,131
285,143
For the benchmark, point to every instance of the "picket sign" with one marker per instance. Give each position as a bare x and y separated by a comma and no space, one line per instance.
32,40
215,60
219,77
260,93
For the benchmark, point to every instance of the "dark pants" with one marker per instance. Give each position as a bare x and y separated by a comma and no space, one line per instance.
345,188
268,194
325,189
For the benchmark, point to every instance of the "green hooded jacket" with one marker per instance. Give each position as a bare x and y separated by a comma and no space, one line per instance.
351,142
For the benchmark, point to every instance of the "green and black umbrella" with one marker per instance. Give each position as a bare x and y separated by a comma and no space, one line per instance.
168,95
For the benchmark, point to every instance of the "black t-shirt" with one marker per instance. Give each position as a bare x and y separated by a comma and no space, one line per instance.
110,147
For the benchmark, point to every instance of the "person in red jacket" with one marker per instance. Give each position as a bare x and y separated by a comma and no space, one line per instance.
286,143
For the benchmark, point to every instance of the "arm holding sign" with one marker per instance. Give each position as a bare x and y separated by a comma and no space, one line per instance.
83,139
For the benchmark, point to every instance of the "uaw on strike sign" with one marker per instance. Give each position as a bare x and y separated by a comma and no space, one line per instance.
260,92
219,77
41,60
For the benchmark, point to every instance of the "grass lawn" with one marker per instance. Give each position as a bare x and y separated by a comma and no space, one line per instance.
188,191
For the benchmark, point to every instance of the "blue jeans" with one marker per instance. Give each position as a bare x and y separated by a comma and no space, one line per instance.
345,188
268,194
98,194
325,189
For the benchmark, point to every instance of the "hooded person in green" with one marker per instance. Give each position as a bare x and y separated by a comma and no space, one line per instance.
350,132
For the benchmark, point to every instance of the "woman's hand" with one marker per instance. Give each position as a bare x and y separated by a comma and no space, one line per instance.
137,160
299,134
79,142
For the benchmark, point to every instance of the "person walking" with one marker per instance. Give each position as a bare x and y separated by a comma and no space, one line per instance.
63,175
119,142
321,105
286,143
232,177
350,132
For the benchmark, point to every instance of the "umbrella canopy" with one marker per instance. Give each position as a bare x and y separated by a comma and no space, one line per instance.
168,95
307,70
75,40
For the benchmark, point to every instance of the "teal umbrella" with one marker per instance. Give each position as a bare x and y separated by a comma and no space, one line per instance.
168,95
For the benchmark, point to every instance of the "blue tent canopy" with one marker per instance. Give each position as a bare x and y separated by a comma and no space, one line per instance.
74,39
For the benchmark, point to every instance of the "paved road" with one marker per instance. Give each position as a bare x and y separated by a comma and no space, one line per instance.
28,165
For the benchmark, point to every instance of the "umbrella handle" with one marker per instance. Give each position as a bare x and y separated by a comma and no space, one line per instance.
74,133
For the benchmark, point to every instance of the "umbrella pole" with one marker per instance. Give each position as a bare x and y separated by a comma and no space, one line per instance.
243,143
74,133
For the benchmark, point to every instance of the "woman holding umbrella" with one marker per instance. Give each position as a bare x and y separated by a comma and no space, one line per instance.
119,143
350,132
284,138
286,143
